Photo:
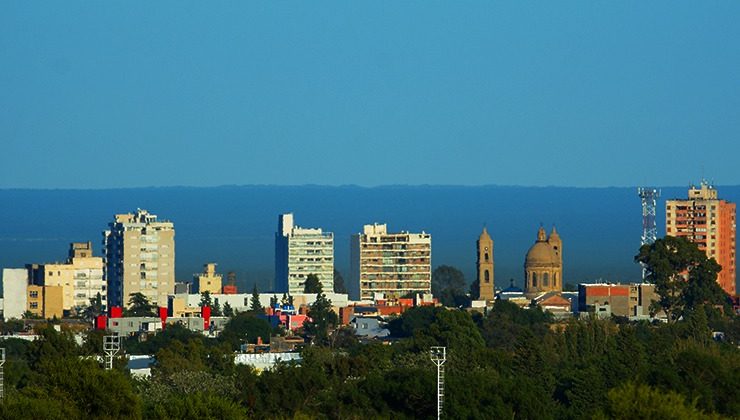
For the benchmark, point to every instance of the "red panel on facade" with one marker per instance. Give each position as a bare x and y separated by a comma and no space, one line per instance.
101,322
621,290
406,302
205,313
116,312
163,315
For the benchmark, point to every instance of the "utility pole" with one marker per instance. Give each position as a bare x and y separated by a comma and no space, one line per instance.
439,357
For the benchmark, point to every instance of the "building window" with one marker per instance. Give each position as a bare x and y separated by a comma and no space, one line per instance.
534,279
34,294
546,279
486,257
487,276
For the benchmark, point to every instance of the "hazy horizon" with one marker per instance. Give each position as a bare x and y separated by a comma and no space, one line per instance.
134,187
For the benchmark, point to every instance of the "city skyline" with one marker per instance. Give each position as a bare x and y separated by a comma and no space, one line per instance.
225,225
484,209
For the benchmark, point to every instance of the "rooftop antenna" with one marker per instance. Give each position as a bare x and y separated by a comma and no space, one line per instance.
111,347
649,197
439,357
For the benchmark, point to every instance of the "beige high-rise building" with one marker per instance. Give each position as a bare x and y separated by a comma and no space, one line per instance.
396,264
709,222
208,280
87,274
80,277
139,258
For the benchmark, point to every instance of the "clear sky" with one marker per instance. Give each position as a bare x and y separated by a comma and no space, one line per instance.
579,93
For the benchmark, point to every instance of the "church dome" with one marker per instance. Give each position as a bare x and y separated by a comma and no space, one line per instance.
541,253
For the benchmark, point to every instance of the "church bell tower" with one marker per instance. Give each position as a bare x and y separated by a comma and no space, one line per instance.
485,266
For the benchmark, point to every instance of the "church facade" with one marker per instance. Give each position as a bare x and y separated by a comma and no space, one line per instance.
543,265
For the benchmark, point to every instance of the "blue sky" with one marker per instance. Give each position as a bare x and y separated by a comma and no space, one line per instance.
576,93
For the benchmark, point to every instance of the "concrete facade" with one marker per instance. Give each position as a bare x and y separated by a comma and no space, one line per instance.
300,252
627,300
80,277
139,258
395,264
45,301
87,275
710,223
15,282
208,281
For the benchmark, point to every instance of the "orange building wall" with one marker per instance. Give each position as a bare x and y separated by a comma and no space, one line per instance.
726,247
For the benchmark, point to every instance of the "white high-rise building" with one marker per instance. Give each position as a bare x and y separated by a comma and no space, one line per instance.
300,252
139,258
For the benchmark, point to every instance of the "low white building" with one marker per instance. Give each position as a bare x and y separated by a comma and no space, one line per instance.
189,303
265,361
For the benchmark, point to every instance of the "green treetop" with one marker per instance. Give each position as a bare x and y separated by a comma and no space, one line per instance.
312,284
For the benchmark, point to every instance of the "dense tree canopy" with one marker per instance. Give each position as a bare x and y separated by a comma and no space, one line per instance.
312,284
255,305
339,286
509,362
448,285
139,305
322,319
684,277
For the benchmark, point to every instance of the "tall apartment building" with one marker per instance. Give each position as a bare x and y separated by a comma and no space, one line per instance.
139,257
396,264
300,252
709,222
80,277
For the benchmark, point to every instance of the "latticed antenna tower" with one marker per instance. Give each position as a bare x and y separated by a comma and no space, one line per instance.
439,357
111,346
649,197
